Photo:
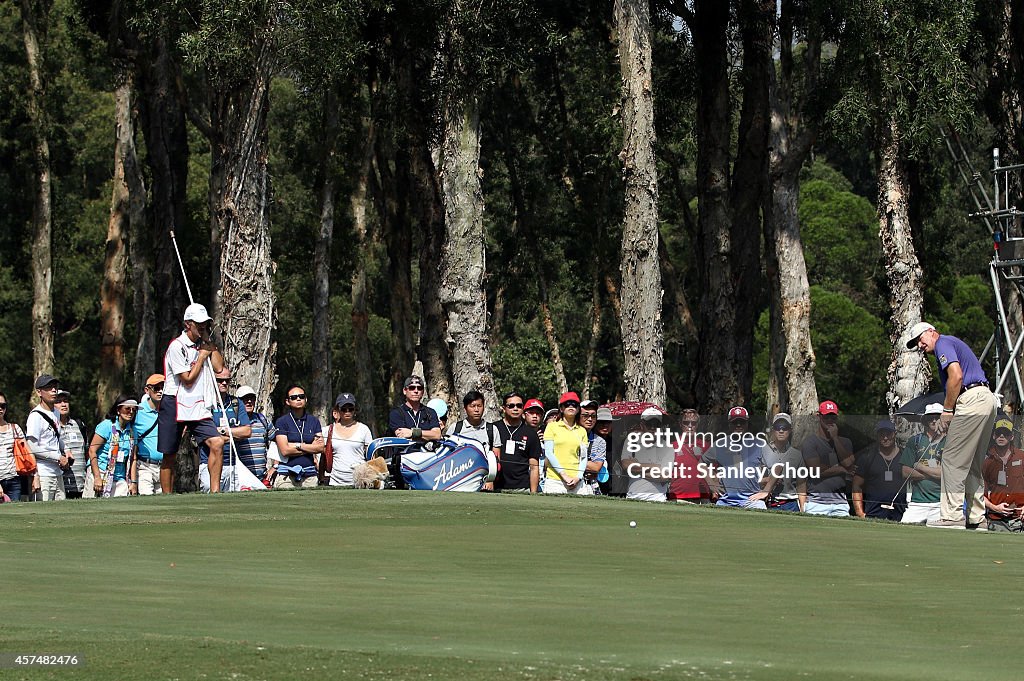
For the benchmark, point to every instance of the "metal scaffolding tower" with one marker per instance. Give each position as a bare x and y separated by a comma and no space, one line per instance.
1002,218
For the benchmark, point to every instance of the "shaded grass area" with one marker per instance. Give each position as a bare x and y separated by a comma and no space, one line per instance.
403,585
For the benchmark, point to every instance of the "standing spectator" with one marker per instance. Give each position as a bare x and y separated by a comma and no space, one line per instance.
878,482
832,456
120,416
411,419
1003,472
517,449
604,427
967,414
687,485
597,448
235,419
348,440
10,481
736,487
189,393
781,454
147,460
254,450
533,415
473,426
646,467
922,463
565,446
43,438
72,434
299,439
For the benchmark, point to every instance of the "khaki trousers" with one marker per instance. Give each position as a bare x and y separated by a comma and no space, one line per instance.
967,441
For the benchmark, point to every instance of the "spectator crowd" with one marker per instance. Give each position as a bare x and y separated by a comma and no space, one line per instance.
579,447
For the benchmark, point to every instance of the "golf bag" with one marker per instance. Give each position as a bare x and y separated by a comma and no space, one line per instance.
455,464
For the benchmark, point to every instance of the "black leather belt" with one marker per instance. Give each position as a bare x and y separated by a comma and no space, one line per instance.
970,386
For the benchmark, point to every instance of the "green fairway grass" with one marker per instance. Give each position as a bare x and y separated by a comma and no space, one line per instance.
403,585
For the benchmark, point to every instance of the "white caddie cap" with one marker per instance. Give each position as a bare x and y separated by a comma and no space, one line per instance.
196,313
915,332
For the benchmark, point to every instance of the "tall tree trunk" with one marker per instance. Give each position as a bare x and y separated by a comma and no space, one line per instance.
717,384
589,379
909,371
115,266
361,356
791,378
433,345
140,255
463,255
321,399
34,21
398,241
164,129
240,192
642,334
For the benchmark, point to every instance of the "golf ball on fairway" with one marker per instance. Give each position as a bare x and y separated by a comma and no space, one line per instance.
632,523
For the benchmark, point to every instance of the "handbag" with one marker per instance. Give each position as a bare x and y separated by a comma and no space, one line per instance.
24,459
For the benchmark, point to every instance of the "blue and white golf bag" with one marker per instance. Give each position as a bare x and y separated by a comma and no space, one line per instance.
457,464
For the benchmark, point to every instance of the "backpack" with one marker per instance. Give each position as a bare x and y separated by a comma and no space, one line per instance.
488,426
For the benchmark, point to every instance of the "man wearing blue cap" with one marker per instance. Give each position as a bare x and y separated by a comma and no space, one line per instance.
968,413
878,484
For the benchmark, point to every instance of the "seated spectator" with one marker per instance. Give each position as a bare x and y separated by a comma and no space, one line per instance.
831,456
347,440
517,448
922,463
648,468
733,479
780,455
565,450
299,439
10,481
72,434
687,485
147,438
215,472
1003,473
255,450
108,472
878,490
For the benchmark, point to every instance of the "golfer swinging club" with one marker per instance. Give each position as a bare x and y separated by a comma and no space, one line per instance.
968,413
190,392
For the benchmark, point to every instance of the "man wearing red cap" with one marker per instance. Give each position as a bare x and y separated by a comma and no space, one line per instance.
832,455
565,447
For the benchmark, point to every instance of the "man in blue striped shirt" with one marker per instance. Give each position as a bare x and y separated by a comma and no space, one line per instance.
252,451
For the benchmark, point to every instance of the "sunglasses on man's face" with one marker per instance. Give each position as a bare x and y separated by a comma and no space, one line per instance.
300,396
585,415
345,410
514,405
225,381
415,388
3,405
159,388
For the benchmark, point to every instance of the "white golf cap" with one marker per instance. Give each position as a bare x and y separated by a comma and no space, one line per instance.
196,313
933,408
244,391
651,414
915,332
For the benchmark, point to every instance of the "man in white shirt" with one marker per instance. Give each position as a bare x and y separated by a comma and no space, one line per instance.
190,393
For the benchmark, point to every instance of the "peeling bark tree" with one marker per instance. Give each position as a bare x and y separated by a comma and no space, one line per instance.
642,338
34,18
909,371
360,316
115,266
463,259
239,194
792,387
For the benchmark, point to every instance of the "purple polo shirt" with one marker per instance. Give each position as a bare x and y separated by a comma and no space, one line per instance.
949,349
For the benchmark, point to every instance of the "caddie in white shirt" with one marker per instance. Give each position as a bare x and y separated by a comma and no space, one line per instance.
190,393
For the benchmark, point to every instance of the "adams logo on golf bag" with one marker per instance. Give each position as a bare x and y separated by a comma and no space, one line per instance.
458,464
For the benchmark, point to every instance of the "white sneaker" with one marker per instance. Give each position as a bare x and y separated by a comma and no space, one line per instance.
949,524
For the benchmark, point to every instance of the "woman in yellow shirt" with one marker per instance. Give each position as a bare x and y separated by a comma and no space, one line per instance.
565,450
